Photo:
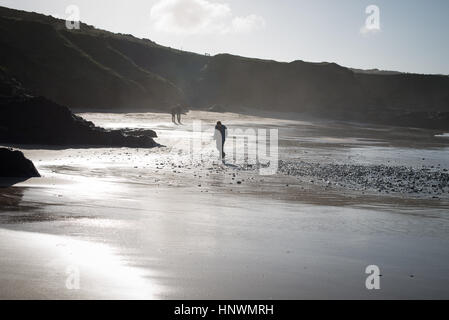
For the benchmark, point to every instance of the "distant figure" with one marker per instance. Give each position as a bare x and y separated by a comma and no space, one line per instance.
173,115
179,111
221,132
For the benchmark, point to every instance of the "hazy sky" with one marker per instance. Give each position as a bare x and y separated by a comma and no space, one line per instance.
413,34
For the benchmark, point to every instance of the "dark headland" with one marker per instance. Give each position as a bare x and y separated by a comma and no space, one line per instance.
94,69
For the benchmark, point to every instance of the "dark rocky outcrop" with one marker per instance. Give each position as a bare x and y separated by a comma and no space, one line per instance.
13,164
136,132
37,120
25,119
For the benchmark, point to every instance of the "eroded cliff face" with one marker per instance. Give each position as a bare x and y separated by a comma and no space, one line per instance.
77,69
96,69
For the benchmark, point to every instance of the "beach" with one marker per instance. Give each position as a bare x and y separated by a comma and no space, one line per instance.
174,222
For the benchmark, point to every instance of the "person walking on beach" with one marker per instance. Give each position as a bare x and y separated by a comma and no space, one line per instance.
178,113
220,135
173,115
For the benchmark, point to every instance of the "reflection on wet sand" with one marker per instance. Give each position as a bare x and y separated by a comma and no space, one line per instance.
14,209
11,197
41,266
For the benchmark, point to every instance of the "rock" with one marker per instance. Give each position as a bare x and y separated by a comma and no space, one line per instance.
13,164
133,132
25,119
37,120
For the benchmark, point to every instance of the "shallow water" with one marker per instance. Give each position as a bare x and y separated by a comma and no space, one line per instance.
311,141
179,226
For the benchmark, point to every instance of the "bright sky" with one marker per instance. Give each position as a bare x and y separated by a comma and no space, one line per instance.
412,34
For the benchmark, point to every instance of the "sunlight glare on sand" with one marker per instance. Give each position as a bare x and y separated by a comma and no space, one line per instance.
97,258
68,268
99,261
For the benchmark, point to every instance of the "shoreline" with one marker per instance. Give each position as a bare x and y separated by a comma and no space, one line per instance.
252,112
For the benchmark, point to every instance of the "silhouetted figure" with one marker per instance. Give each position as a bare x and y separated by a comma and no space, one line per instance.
221,132
179,111
173,115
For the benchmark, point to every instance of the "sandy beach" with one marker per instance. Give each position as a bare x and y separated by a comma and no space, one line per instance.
175,223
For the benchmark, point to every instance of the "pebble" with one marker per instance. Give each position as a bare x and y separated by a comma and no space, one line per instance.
378,178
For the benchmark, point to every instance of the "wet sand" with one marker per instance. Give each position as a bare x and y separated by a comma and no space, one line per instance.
155,223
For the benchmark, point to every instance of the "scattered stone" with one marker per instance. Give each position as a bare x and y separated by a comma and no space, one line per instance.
376,178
